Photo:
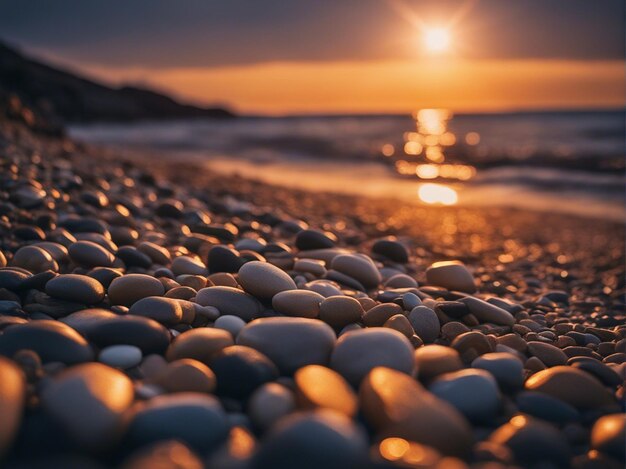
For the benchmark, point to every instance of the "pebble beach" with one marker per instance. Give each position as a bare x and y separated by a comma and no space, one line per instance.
156,315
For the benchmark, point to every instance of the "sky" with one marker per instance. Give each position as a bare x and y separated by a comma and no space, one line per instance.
337,56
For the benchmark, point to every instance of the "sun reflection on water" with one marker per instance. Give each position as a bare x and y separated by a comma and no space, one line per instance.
425,155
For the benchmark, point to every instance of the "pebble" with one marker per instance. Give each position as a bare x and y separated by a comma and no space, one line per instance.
186,375
452,275
487,312
232,324
192,418
77,288
130,288
359,267
269,403
320,387
608,436
120,356
339,311
158,254
264,280
379,314
401,281
99,397
471,345
425,323
290,343
89,254
400,323
311,266
434,360
572,386
312,440
230,301
12,397
546,407
34,259
53,341
473,392
392,250
507,369
240,370
533,442
299,303
314,239
358,352
166,311
188,265
200,344
597,369
145,334
394,404
223,259
548,354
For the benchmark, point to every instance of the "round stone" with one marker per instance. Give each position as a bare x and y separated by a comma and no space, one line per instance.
158,254
186,375
571,385
188,265
400,323
76,288
507,369
290,343
121,356
241,370
89,254
128,289
359,267
473,392
392,250
533,442
320,387
434,360
609,435
339,311
145,334
230,301
269,403
200,344
358,352
89,401
394,404
298,303
425,323
195,419
232,324
12,395
34,259
167,311
264,280
379,314
313,239
321,439
451,275
548,354
470,345
53,341
223,259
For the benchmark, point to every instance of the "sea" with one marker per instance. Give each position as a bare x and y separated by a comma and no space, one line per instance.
554,161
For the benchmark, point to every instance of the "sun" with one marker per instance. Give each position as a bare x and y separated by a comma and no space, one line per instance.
436,40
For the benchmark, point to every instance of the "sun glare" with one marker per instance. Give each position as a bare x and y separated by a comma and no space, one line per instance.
436,40
437,194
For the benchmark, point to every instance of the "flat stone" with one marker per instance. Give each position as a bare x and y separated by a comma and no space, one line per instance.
401,281
311,266
188,265
314,239
129,289
358,352
89,254
321,439
320,387
290,343
339,311
145,334
12,392
195,419
547,353
609,436
451,275
425,323
546,407
120,356
379,314
53,341
76,288
240,370
359,267
434,360
487,312
200,344
166,311
473,392
394,404
298,303
264,280
571,385
158,254
89,401
392,250
230,301
186,375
